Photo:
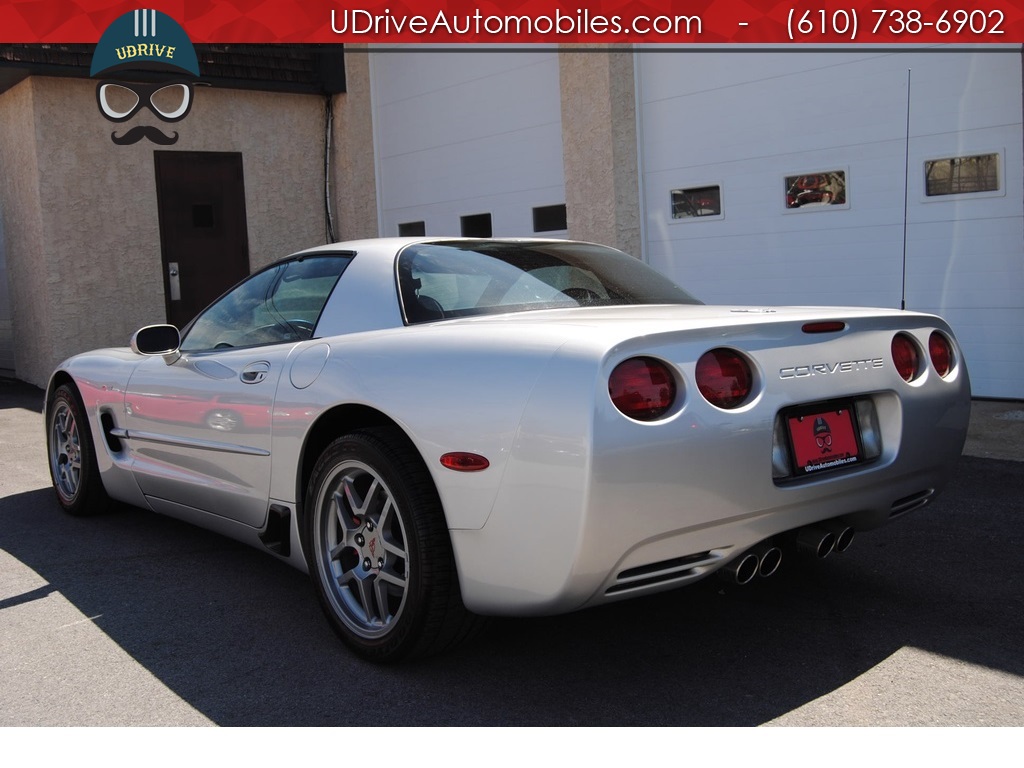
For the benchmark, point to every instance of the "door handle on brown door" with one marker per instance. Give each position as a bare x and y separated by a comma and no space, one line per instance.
174,281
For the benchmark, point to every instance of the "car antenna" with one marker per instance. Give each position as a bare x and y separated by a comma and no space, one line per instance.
906,180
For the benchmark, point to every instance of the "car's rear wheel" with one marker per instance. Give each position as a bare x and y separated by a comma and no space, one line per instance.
72,457
378,549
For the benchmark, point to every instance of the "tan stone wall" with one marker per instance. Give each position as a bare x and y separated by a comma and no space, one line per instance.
6,324
81,233
27,270
354,177
599,146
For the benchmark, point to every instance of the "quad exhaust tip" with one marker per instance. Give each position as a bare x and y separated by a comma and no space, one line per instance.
844,537
822,540
769,558
818,541
765,558
762,560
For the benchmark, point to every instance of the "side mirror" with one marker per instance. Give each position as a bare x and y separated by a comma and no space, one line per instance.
156,340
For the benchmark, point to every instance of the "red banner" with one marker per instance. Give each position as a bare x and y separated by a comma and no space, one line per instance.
551,22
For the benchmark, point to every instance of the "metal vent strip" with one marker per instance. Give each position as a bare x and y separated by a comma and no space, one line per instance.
662,571
914,501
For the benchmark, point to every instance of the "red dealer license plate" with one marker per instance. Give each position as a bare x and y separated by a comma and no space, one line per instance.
823,438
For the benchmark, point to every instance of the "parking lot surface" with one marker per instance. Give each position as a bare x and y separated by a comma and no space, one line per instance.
132,618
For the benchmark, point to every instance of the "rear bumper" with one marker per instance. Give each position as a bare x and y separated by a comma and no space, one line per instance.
677,558
664,509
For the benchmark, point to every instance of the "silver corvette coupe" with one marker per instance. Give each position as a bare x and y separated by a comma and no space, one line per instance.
438,429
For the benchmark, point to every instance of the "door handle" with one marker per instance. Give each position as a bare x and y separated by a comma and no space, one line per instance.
254,373
174,280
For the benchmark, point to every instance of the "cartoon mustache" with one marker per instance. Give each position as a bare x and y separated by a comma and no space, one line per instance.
140,132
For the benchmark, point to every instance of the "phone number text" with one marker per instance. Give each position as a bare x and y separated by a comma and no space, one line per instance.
886,24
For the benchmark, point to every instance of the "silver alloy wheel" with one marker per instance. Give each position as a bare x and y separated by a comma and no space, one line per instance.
361,549
65,451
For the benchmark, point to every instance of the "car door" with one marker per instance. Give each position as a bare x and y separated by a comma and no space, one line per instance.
199,421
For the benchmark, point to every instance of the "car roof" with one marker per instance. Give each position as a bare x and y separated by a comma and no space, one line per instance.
391,245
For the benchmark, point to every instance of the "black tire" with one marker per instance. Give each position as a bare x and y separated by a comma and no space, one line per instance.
379,552
71,455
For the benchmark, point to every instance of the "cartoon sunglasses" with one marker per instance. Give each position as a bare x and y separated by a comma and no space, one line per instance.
120,101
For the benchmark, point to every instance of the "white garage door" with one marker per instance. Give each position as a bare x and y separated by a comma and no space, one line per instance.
468,143
782,178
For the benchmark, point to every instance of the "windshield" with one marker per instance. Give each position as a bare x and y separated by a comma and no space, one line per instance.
462,278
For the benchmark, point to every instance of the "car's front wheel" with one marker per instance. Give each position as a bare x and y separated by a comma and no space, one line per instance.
378,549
69,448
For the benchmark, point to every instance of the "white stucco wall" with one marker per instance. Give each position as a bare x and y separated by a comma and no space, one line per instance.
459,134
745,121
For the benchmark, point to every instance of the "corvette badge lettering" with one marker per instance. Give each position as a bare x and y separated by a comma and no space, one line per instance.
824,369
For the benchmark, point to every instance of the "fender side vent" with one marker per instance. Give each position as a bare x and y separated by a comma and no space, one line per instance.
107,423
277,535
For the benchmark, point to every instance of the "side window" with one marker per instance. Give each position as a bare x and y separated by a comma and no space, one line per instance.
962,175
816,190
280,304
696,201
412,229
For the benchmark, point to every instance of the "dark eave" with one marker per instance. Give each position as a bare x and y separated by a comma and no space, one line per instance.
316,69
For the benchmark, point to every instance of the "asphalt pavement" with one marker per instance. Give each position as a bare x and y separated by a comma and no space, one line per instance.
131,618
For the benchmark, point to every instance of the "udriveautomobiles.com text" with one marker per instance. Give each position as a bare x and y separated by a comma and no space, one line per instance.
444,24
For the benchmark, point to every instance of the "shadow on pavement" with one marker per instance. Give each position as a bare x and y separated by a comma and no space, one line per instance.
240,637
18,394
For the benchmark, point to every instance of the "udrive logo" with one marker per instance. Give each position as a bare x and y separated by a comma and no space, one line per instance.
147,62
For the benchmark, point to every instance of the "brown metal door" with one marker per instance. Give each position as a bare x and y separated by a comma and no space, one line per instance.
203,236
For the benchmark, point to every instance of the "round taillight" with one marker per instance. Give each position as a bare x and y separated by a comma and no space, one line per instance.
642,388
724,378
941,353
905,356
